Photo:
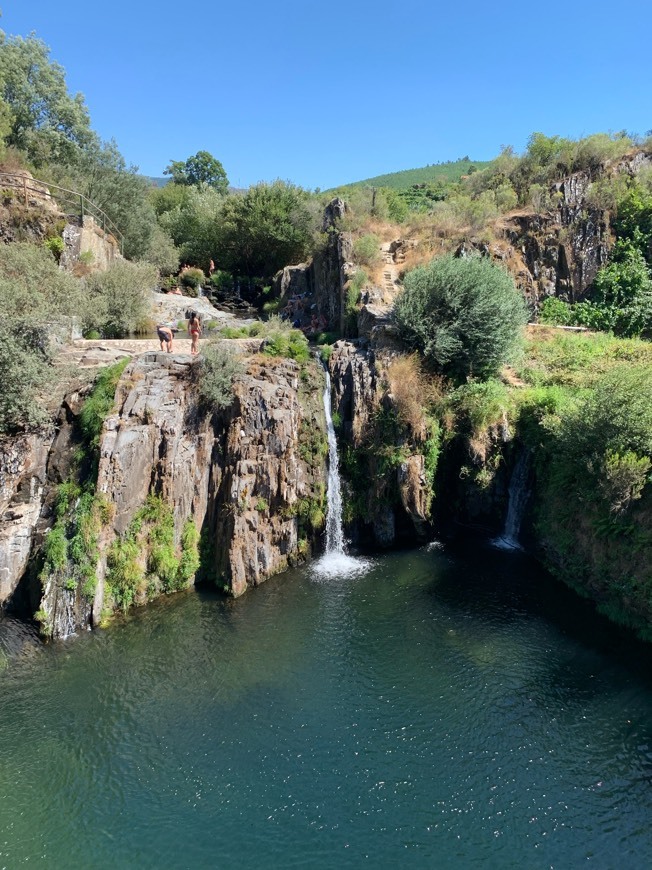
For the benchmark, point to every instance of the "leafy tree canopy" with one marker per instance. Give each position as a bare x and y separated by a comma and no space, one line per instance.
194,224
265,229
465,315
100,172
202,168
43,119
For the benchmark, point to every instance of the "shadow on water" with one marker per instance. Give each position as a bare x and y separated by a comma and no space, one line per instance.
510,585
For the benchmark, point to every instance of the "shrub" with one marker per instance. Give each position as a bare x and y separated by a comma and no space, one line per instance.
215,373
192,278
284,340
465,315
189,562
25,375
624,290
366,250
118,298
55,246
555,311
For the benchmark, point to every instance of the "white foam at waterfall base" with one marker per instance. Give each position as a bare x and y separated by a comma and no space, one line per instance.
335,562
334,565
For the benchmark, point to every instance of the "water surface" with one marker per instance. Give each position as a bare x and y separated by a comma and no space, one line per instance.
441,710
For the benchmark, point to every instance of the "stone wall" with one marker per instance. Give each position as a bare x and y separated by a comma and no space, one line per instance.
87,244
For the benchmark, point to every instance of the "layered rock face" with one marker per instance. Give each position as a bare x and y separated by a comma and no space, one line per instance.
396,494
23,478
240,475
563,249
325,277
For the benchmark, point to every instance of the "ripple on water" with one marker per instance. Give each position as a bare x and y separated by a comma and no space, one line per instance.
430,713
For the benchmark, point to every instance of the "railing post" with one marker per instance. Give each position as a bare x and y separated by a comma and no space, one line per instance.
81,207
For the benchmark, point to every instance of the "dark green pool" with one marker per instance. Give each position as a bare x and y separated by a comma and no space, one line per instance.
442,710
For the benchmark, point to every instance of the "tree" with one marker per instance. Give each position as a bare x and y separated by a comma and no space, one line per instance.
267,228
118,298
625,291
634,219
169,196
46,122
100,172
465,315
194,225
36,298
202,168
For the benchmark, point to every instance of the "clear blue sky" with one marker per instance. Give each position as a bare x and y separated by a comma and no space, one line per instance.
322,93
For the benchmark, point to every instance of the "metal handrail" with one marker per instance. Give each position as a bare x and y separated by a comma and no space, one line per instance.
71,197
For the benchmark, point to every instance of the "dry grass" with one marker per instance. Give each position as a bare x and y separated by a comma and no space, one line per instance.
413,391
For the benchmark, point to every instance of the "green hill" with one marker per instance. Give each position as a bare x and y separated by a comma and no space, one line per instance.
450,171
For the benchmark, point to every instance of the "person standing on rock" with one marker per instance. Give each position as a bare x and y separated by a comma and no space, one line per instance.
165,335
194,329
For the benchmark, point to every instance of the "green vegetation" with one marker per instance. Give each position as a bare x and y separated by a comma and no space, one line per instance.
265,229
449,171
202,168
215,373
145,560
284,340
71,548
117,300
465,315
620,300
281,339
99,404
37,301
366,250
191,279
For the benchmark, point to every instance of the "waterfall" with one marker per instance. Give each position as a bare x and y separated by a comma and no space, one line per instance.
335,562
518,495
334,533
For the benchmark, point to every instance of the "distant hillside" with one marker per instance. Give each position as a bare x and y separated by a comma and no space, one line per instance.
157,182
449,171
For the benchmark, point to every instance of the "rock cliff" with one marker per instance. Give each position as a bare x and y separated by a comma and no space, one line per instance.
325,277
23,478
249,479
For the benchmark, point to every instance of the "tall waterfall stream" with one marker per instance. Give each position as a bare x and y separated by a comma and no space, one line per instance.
335,561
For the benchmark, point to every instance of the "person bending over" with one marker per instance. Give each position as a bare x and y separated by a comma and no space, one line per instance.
165,335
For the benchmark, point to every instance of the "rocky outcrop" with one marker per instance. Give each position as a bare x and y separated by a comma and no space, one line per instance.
86,242
388,468
557,253
272,461
23,478
356,390
325,277
246,477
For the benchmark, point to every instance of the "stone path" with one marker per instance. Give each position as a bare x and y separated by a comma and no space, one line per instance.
390,274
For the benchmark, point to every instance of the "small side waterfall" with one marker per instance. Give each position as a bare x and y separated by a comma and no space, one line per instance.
518,496
335,562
